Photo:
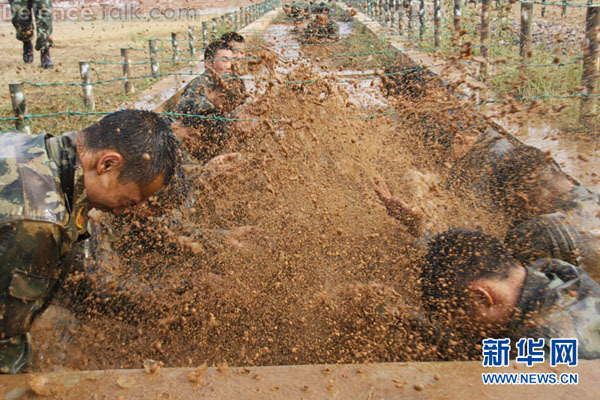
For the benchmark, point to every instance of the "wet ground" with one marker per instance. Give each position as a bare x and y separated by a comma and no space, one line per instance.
323,272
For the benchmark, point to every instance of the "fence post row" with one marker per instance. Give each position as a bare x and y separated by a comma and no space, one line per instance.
591,64
127,85
525,37
154,66
88,93
457,14
214,29
19,106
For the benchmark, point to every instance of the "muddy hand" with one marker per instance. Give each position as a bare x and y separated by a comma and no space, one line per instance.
225,164
239,238
411,217
181,131
396,207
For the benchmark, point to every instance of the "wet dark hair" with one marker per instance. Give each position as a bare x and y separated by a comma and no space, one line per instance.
454,260
134,134
519,171
211,50
232,37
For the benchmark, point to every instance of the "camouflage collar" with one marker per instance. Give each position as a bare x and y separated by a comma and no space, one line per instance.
532,297
63,151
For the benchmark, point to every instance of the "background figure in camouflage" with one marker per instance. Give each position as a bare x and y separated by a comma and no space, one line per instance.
322,28
23,14
125,157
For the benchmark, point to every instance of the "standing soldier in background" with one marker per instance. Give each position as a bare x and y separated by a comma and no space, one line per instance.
23,13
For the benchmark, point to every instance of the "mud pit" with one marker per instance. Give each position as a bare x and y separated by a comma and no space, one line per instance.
323,273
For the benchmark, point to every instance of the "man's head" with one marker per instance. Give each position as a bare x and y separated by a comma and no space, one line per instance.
236,43
126,157
217,57
526,182
471,274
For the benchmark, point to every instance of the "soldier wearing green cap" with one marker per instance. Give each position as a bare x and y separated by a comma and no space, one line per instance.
47,185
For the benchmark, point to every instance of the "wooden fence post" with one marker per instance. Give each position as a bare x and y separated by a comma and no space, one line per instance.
485,35
457,14
411,16
191,40
564,8
437,16
543,8
175,44
591,65
154,67
128,85
214,28
421,19
525,37
204,34
88,92
19,106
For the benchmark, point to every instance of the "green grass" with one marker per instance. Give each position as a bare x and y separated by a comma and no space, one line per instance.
508,75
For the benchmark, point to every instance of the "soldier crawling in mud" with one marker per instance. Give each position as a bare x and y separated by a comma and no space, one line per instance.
235,84
47,186
471,279
209,105
552,216
300,13
322,28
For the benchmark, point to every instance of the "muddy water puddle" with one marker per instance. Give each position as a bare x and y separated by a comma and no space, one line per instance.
362,87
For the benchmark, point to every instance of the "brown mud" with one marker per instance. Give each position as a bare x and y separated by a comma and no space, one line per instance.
317,271
323,273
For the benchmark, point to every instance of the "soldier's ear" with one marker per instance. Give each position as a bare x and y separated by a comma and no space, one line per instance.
480,295
111,161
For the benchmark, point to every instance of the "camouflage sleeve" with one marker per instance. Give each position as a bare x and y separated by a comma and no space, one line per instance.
194,102
30,264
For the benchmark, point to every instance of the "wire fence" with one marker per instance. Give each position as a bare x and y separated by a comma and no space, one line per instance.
453,31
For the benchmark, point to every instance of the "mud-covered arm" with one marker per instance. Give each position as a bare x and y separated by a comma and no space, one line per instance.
30,266
411,217
193,101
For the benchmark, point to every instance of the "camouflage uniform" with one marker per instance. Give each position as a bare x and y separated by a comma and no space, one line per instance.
472,173
213,131
571,233
315,32
43,212
22,20
559,300
300,11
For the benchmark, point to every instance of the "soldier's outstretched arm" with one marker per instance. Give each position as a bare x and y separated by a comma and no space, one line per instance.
411,217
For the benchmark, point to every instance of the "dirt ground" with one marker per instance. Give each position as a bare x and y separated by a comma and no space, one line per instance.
99,40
